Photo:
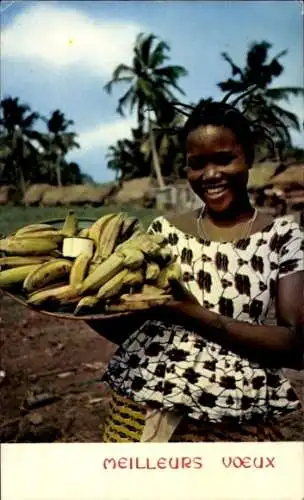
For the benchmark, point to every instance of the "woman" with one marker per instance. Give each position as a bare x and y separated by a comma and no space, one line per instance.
206,367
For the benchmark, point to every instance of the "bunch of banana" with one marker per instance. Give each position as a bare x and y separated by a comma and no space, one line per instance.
114,265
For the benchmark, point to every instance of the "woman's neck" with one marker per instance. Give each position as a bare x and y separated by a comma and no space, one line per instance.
237,213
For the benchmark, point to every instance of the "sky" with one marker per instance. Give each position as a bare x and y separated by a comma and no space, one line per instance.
60,54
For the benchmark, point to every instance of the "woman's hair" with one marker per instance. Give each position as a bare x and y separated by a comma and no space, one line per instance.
225,115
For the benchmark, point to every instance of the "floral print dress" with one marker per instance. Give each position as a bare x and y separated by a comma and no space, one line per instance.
167,367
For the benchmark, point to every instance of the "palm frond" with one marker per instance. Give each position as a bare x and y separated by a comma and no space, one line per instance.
144,48
232,86
122,71
236,70
284,93
287,117
124,79
171,73
124,100
158,56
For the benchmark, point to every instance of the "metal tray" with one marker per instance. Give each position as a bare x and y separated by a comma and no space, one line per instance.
83,223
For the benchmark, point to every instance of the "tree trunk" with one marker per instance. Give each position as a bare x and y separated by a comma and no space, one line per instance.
58,170
155,159
22,181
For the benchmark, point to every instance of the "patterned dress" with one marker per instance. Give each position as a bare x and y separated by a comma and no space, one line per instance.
167,367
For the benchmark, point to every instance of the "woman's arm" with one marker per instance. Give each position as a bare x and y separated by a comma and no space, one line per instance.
279,345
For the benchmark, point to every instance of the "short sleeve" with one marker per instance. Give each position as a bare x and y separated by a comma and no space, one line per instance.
156,226
291,257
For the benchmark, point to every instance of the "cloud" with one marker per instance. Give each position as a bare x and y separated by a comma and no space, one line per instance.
63,38
103,135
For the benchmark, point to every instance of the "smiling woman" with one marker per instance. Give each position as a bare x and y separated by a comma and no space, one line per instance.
207,366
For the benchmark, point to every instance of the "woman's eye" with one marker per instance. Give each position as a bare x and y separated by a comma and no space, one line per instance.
224,159
198,162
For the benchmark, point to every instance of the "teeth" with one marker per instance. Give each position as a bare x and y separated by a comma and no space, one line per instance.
216,190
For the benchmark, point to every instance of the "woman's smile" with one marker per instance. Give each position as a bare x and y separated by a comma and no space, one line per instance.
215,191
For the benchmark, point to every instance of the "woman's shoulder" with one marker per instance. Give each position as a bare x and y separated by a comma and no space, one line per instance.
267,223
185,221
285,224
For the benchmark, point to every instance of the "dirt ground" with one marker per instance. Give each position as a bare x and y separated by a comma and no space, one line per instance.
52,390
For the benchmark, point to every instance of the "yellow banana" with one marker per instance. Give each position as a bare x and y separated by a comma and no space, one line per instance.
160,239
15,276
109,236
171,271
33,228
70,226
134,278
83,233
129,226
48,272
128,307
15,261
133,259
27,246
152,271
137,301
142,242
86,304
97,228
79,268
113,286
103,272
50,286
59,294
50,234
165,255
147,293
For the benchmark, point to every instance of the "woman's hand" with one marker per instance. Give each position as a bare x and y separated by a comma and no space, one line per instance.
182,307
180,293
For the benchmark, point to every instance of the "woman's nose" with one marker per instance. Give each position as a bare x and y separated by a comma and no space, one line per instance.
210,171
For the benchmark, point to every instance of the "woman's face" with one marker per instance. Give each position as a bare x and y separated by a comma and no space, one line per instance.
216,166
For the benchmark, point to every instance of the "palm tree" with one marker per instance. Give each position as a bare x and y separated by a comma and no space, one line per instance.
19,141
151,85
58,142
168,146
259,102
127,159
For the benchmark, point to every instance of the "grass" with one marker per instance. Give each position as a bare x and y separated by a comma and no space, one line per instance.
14,217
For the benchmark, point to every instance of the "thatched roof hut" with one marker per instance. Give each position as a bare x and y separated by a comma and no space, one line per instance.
90,194
78,194
7,194
53,196
134,191
34,194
